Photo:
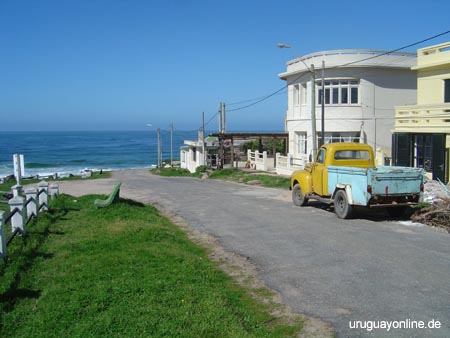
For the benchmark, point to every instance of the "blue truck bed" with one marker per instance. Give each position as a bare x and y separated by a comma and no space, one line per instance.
387,185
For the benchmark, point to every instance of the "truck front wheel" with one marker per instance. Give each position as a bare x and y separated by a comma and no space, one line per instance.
341,206
298,198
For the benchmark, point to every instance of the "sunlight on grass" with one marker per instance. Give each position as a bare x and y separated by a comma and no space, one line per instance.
121,271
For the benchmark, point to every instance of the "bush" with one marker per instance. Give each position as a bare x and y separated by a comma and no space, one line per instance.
201,169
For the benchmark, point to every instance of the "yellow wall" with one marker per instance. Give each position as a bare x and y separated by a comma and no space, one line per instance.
430,86
433,67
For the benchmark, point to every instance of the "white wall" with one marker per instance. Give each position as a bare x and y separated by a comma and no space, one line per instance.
380,90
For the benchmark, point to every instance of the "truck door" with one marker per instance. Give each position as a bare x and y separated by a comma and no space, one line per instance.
318,172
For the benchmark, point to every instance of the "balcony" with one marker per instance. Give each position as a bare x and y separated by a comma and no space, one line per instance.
433,57
423,119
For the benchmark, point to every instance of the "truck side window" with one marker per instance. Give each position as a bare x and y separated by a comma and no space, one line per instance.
321,156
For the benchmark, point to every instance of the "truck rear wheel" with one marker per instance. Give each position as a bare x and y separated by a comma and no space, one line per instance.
298,198
341,206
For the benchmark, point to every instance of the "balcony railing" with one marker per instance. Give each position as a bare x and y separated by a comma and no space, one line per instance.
433,56
426,118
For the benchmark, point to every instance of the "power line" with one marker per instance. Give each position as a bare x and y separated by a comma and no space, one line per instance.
394,50
263,98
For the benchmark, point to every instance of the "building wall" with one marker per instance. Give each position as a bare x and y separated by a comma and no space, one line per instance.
381,88
430,86
430,117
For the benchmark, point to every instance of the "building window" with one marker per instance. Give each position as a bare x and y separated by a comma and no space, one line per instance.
296,95
345,136
447,90
301,142
303,93
338,92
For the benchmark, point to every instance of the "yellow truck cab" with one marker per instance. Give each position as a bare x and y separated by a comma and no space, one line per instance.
344,174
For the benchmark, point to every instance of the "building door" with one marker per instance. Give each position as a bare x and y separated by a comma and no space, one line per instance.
438,157
429,154
425,151
402,149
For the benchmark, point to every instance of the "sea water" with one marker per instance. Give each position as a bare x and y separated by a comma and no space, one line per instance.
72,152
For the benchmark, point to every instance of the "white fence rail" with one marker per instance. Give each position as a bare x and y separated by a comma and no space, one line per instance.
23,210
259,161
286,165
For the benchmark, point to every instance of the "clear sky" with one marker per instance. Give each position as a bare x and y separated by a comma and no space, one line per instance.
112,65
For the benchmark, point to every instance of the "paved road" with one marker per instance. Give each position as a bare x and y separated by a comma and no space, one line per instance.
338,270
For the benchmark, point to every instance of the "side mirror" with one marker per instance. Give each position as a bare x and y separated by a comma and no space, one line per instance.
310,157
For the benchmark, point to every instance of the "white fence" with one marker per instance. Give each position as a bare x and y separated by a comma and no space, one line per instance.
259,161
23,210
286,165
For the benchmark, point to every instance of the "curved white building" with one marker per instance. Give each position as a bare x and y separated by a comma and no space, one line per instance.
361,89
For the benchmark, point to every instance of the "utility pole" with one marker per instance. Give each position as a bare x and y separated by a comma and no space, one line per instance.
203,139
171,144
313,111
224,120
220,117
158,131
322,139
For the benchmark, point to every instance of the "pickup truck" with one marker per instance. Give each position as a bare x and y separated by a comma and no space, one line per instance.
344,175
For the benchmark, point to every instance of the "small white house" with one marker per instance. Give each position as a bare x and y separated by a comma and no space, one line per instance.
361,90
196,153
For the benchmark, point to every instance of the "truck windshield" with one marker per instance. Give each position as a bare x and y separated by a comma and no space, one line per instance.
352,155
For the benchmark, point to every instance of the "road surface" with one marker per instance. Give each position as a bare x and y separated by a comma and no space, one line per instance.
350,273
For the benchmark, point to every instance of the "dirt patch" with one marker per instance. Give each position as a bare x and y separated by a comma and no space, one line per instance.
245,273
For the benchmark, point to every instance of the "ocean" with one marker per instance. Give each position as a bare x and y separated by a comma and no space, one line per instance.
71,152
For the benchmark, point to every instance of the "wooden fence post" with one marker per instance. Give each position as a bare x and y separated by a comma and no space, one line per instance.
43,195
2,235
54,190
17,190
17,221
32,206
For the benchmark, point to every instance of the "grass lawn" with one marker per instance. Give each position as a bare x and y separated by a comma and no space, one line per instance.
122,271
233,174
270,181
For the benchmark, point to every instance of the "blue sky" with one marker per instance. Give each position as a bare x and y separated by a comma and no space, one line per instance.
112,65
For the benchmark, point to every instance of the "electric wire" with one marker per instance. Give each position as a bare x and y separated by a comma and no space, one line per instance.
263,98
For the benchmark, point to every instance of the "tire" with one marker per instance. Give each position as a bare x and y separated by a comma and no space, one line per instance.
298,198
341,206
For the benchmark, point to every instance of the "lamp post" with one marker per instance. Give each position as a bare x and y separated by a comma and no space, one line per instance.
159,144
311,70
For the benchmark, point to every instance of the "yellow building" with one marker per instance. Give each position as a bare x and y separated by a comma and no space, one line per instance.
421,137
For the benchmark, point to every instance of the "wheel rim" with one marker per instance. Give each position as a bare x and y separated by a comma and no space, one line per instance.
339,204
298,195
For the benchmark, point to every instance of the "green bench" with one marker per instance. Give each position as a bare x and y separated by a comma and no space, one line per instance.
113,197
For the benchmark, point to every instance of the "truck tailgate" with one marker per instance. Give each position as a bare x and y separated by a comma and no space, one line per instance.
395,180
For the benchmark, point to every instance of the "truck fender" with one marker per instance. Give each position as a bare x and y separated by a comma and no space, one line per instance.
348,191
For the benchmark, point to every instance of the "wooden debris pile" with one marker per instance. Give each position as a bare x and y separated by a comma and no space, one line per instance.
437,214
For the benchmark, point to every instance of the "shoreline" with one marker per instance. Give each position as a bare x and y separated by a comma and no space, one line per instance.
85,172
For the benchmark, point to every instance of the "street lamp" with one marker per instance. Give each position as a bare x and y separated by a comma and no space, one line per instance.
313,100
159,144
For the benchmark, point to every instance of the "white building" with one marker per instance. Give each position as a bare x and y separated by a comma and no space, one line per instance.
361,90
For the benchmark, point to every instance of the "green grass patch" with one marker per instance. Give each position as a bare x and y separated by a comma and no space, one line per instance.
172,172
270,181
121,271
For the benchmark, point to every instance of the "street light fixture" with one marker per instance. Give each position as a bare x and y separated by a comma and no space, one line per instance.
313,99
159,145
